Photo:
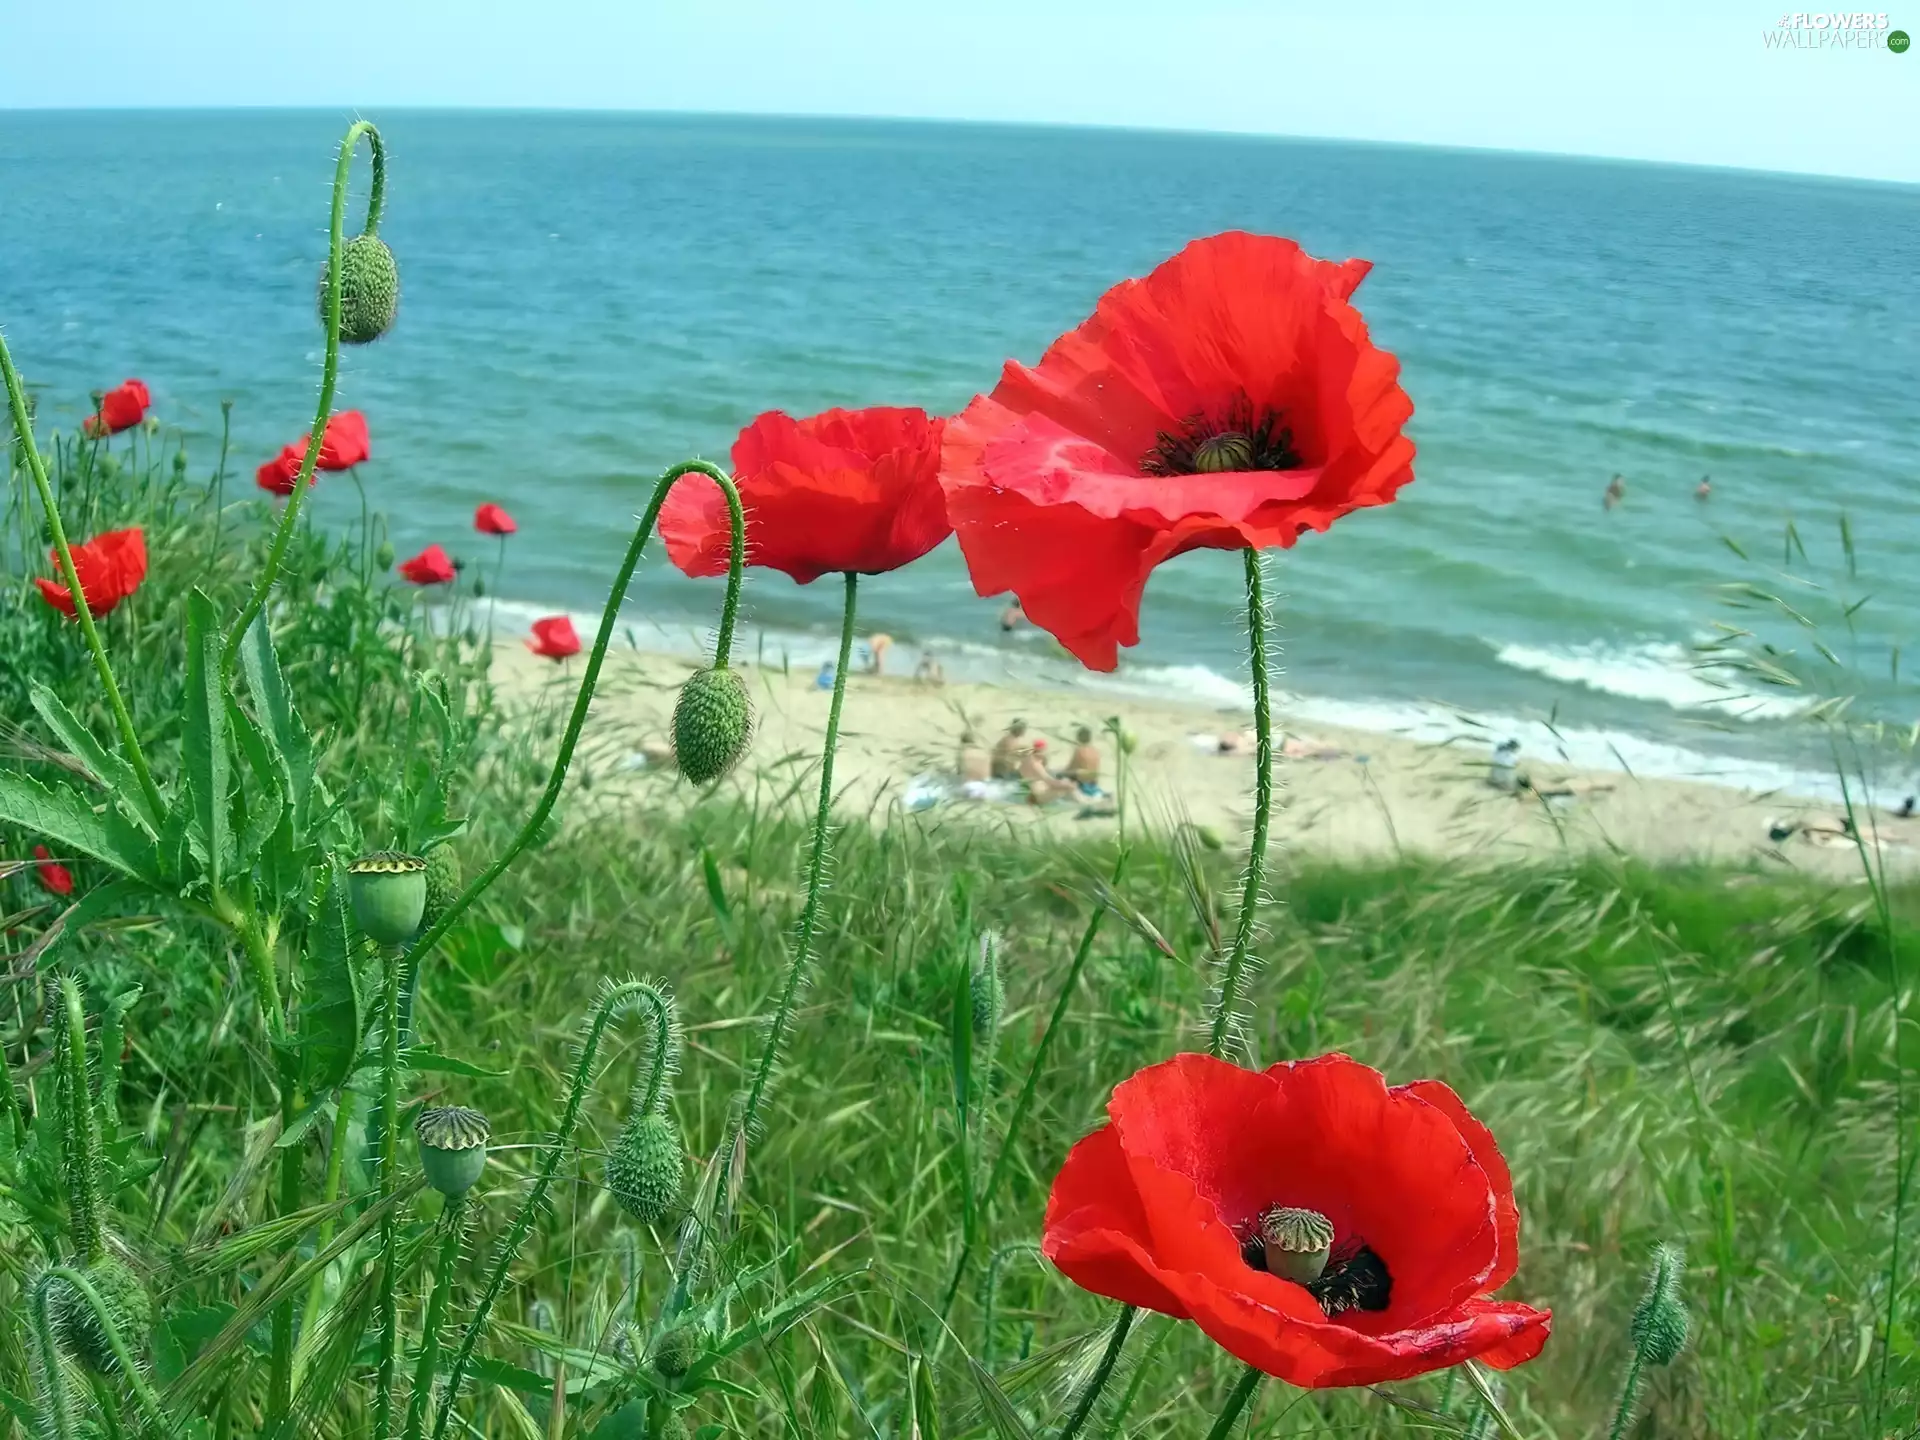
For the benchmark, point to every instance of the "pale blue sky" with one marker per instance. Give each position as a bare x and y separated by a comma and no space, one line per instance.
1693,82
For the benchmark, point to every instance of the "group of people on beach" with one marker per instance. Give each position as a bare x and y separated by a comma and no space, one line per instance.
1021,757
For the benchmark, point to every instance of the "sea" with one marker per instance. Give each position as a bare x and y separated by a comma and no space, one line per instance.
590,297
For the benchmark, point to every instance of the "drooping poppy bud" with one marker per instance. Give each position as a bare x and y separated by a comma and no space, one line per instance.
383,555
78,1328
712,724
453,1147
389,894
647,1168
369,290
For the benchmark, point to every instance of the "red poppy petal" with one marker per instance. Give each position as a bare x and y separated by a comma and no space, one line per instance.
1096,1232
1485,1151
696,527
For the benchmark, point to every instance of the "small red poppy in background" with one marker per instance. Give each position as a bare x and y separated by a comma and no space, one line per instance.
110,566
1228,401
430,567
1315,1222
490,519
845,490
554,638
121,408
52,875
343,444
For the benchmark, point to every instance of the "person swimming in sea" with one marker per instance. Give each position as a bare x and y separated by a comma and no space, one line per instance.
1012,617
1704,490
1616,492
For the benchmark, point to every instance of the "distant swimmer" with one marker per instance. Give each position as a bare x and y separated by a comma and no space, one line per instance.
1012,617
1616,491
1704,490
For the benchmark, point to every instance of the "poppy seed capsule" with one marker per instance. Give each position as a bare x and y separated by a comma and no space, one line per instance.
453,1147
78,1328
712,723
675,1351
369,290
647,1168
1298,1243
389,893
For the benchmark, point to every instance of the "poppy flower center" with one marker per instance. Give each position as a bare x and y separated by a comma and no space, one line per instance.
1298,1245
1239,439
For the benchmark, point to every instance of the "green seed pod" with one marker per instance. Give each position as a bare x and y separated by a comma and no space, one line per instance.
453,1147
1297,1243
1659,1324
647,1168
987,990
1209,837
675,1351
389,894
77,1328
664,1422
443,883
180,463
383,556
369,290
712,724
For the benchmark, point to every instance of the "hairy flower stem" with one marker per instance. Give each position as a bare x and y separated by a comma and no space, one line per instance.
1629,1397
1116,1341
280,1365
80,1135
58,1422
452,1229
122,718
816,869
570,738
1227,1003
389,1175
616,1001
329,372
1250,1380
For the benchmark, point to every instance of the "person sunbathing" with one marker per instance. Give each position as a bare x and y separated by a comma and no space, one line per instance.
1010,750
1083,766
1043,786
975,763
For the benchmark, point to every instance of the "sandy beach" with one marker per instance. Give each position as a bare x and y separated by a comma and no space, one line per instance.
1342,793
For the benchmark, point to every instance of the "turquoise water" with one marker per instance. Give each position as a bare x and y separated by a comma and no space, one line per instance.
590,297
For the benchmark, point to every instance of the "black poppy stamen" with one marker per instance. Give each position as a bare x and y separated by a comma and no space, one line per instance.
1297,1245
1239,440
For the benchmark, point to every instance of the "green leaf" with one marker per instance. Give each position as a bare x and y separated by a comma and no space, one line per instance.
926,1404
205,758
64,818
333,1013
716,892
257,816
113,772
420,1057
291,745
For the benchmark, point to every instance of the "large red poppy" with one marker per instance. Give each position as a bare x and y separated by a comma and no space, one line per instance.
490,519
1230,400
343,444
110,567
121,408
54,877
555,638
430,567
844,490
1207,1170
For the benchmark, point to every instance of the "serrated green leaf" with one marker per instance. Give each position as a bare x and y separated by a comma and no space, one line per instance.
256,816
205,760
64,817
112,771
286,733
333,1012
422,1058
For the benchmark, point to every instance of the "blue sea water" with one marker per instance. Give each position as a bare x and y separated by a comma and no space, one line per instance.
590,297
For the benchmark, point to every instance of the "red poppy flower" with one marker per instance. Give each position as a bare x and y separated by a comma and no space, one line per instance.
1213,1184
430,567
110,567
844,490
52,875
344,444
1230,400
490,519
121,408
554,637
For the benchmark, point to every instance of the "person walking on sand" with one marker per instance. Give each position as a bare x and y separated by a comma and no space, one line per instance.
1010,750
1083,766
975,763
1012,617
930,671
1704,490
877,648
1616,492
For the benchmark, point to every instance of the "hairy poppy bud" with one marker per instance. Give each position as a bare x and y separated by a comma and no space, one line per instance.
675,1351
1659,1324
389,894
443,883
647,1168
986,989
383,555
664,1422
369,290
453,1147
78,1328
712,723
180,463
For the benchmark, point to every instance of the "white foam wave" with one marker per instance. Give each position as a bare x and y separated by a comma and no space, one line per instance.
1659,674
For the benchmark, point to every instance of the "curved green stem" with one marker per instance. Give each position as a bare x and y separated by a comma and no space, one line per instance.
59,1409
1229,1415
122,718
109,1327
616,1000
452,1223
82,1158
1227,1003
329,373
1116,1341
816,870
389,1174
664,1061
584,698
